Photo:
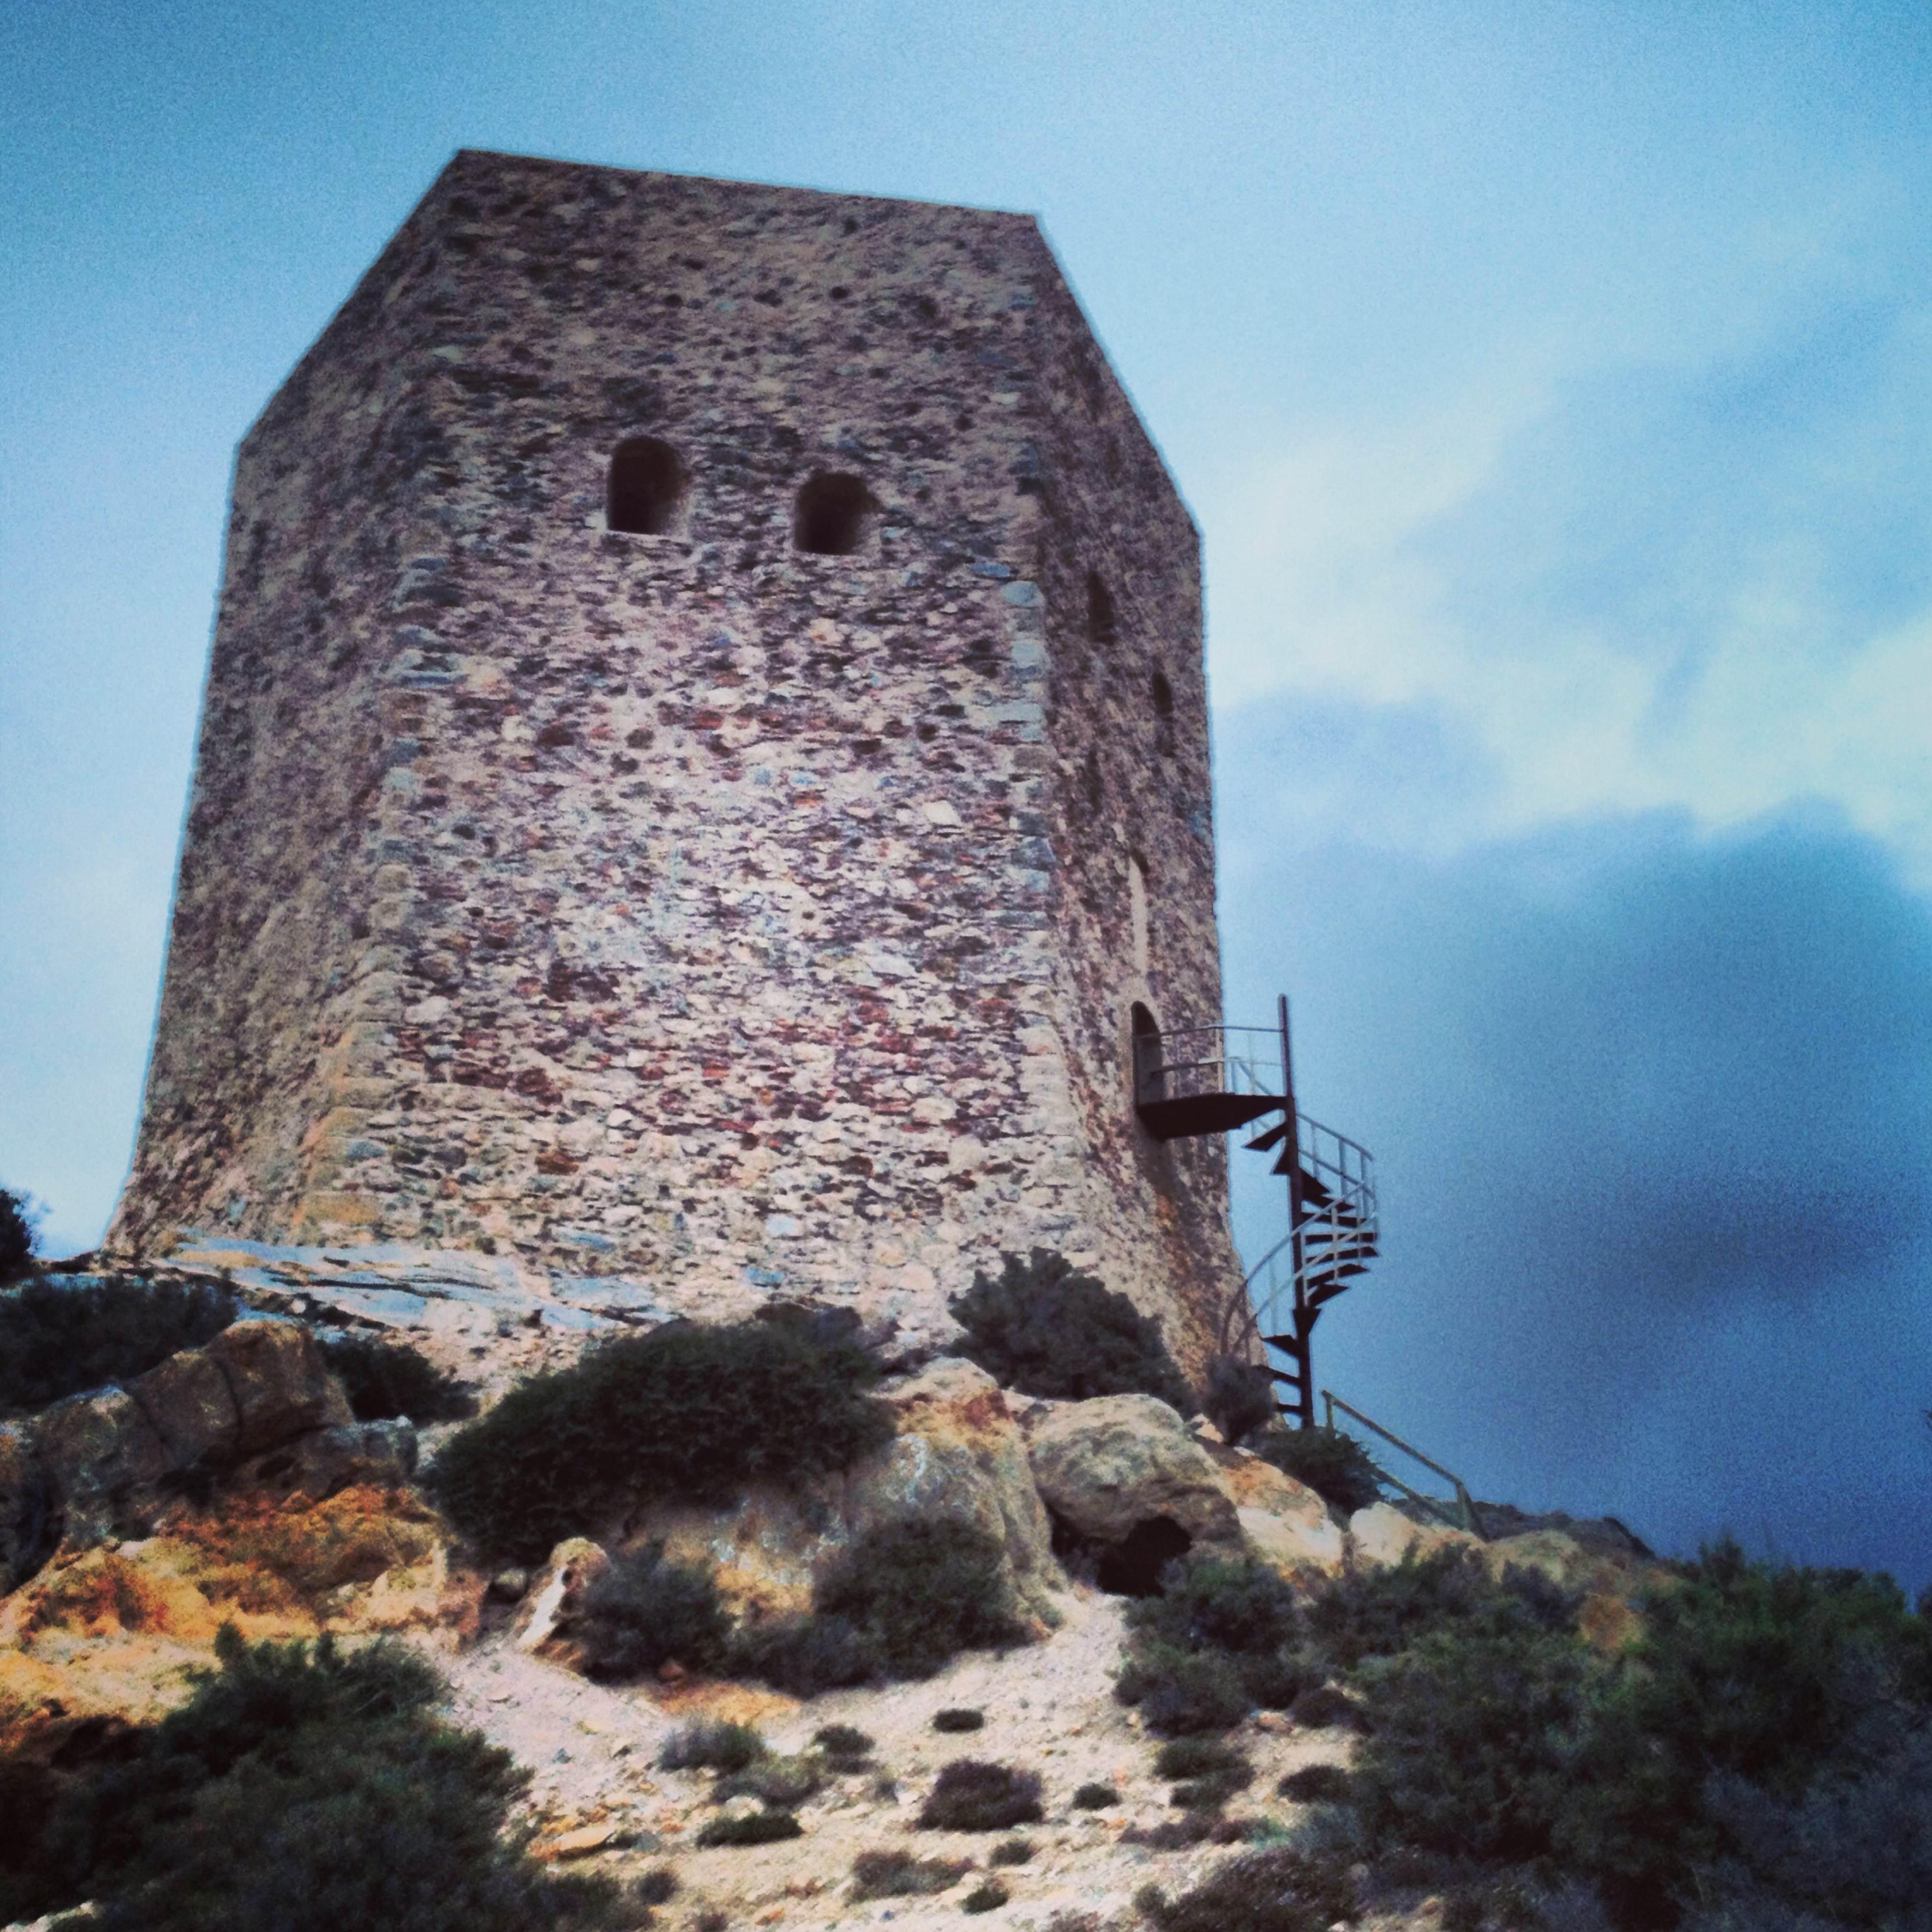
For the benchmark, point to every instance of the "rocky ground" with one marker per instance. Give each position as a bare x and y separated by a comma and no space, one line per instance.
1049,1707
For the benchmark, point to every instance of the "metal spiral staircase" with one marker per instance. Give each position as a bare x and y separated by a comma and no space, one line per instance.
1189,1080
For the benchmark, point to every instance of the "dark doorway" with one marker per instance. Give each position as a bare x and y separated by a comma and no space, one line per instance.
646,488
833,517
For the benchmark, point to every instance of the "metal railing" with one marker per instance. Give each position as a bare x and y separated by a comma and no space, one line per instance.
1285,1277
1458,1511
1178,1063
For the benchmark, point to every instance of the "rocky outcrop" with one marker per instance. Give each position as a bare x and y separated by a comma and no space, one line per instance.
956,1451
1124,1477
1283,1522
1382,1535
256,1406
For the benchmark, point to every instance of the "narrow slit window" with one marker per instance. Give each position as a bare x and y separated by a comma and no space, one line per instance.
1102,623
646,497
833,517
1163,695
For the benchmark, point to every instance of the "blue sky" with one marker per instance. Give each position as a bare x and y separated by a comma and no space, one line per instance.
1553,386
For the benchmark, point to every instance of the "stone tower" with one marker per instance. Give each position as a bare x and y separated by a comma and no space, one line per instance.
705,749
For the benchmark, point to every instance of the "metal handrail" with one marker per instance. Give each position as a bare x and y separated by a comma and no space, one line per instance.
1226,1067
1466,1516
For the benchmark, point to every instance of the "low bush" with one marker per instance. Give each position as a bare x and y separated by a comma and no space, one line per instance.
1191,1757
712,1745
957,1720
1172,1834
920,1591
845,1746
687,1411
1096,1798
900,1875
1472,1737
1317,1784
1047,1329
1181,1693
756,1828
1378,1612
1221,1636
970,1794
1332,1464
58,1339
383,1379
1753,1687
804,1655
299,1789
988,1895
1011,1852
1212,1771
1322,1707
657,1886
1279,1889
1239,1399
779,1784
644,1612
18,1239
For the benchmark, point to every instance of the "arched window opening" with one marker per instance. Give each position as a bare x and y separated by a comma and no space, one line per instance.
1101,623
646,490
1163,695
1149,1081
833,517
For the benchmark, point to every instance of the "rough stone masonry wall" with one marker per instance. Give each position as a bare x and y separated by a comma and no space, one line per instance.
682,909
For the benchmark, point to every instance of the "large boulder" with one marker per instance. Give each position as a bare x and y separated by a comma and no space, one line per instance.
1124,1476
189,1402
1284,1522
1381,1536
255,1404
955,1451
280,1383
27,1518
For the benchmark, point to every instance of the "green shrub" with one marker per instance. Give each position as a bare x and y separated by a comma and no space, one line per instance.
1096,1798
1240,1398
382,1378
757,1827
657,1886
970,1794
1011,1852
957,1720
1378,1612
299,1789
1047,1331
1173,1835
691,1412
1472,1740
900,1875
1747,1676
1317,1784
1211,1771
845,1746
804,1655
1217,1603
1182,1693
1322,1707
18,1239
988,1895
1334,1464
779,1784
1275,1890
58,1339
712,1745
1194,1757
920,1590
644,1612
